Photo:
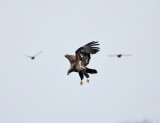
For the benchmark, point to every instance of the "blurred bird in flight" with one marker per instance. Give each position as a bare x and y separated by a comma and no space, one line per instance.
34,56
119,55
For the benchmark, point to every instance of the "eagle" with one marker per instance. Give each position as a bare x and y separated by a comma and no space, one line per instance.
81,59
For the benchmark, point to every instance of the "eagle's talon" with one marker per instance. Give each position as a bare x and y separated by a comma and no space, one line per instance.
81,83
87,80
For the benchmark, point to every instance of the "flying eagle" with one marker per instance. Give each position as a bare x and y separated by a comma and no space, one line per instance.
79,62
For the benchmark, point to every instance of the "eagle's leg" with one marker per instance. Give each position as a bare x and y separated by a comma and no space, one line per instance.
87,80
86,75
81,76
81,82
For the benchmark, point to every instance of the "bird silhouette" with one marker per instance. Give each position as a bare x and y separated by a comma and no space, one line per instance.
119,55
34,56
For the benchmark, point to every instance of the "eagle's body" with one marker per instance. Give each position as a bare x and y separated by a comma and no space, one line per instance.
81,60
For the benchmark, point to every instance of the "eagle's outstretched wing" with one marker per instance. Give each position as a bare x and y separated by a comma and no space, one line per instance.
83,53
71,58
38,53
89,48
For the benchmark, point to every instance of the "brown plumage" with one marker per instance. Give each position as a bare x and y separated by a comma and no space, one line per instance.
79,62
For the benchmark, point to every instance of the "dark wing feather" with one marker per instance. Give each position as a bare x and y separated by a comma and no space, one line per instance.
83,53
90,48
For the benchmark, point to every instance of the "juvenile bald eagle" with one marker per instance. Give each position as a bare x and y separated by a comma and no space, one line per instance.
79,62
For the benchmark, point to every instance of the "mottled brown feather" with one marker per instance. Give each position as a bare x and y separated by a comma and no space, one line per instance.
71,58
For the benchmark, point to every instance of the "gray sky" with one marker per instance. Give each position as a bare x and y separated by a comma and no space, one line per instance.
40,91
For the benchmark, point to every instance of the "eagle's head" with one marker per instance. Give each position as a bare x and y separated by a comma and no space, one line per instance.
69,71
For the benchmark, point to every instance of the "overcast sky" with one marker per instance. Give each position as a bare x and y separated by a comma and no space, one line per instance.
40,91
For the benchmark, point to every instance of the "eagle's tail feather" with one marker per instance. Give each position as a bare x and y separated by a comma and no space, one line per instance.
92,71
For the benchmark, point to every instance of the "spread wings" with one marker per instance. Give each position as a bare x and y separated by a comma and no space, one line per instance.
83,53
